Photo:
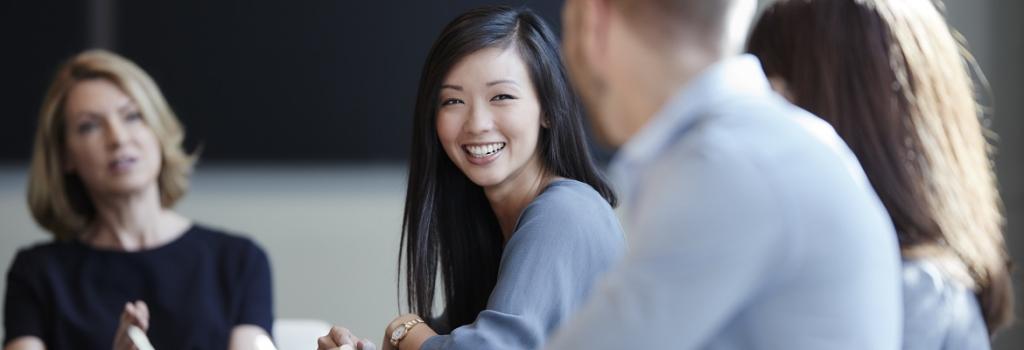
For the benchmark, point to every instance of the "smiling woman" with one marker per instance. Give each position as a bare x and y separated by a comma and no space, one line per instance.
503,199
108,166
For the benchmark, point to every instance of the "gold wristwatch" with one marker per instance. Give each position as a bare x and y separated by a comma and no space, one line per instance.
403,330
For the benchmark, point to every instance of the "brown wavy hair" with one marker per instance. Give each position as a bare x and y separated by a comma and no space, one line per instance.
894,80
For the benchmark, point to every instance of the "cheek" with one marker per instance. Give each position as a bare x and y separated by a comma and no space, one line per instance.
149,143
447,127
522,124
81,151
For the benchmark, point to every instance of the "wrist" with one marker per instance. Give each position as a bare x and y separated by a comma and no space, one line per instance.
400,327
399,321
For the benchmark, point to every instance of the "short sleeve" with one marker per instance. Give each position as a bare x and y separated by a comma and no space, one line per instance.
23,306
257,293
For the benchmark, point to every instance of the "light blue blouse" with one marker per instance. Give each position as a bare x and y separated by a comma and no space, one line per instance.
939,312
564,240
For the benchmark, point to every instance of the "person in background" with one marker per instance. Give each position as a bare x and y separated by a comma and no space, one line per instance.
892,79
752,226
503,199
107,168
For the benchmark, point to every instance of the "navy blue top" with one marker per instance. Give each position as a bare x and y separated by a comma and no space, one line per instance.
197,287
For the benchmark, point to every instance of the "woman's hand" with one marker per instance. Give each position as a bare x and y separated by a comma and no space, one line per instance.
342,338
134,314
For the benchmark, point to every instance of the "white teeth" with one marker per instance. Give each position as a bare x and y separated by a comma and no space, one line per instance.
484,150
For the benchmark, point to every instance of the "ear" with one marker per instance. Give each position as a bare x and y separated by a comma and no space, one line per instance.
595,20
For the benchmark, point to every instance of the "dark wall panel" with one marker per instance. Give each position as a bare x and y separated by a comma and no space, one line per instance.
272,81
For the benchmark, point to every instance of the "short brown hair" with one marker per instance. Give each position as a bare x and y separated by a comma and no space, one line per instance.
663,19
58,200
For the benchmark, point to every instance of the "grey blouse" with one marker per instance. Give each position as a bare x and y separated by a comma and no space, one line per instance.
564,240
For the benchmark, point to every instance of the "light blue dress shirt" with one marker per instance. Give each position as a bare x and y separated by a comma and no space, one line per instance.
751,226
564,241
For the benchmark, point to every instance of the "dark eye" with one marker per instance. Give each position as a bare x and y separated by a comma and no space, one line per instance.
503,97
133,116
451,101
85,127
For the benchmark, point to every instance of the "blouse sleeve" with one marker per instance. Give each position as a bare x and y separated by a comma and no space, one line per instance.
547,270
257,293
23,306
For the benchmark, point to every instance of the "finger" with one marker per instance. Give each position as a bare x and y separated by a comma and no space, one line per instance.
325,343
142,313
135,315
341,335
367,345
126,312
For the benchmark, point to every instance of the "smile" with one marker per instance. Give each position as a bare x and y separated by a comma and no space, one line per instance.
122,163
484,150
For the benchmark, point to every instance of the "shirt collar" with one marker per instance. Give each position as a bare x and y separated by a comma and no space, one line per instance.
739,75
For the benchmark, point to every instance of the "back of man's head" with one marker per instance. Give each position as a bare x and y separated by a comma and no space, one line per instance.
720,25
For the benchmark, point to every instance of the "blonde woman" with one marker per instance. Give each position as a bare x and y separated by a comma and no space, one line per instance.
107,168
891,78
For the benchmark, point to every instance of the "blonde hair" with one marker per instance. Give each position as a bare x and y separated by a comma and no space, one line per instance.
57,199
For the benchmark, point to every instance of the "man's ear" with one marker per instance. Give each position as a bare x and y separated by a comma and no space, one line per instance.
595,21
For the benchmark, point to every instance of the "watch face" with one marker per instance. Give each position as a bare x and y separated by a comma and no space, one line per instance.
398,334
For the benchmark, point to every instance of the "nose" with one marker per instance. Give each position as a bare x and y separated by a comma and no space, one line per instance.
480,121
117,134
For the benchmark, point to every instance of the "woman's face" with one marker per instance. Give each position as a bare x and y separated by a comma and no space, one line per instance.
489,118
109,145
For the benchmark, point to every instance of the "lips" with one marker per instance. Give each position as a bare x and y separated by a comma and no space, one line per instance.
122,164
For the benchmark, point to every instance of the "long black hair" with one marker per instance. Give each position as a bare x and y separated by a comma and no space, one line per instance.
449,226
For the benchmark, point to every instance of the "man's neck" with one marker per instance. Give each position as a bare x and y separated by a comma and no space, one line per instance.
655,76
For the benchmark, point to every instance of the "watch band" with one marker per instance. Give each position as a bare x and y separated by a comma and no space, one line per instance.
403,330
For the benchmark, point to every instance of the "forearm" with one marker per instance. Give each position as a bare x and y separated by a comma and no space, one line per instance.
250,337
26,343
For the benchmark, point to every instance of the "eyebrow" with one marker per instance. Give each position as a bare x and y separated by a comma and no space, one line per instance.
489,84
127,107
503,81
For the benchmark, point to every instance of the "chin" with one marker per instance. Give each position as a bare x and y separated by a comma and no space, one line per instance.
484,178
129,185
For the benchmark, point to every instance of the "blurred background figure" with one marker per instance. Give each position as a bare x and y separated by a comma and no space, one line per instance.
107,169
324,91
893,81
751,225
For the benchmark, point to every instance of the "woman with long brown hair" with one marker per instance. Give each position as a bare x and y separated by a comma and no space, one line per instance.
893,80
